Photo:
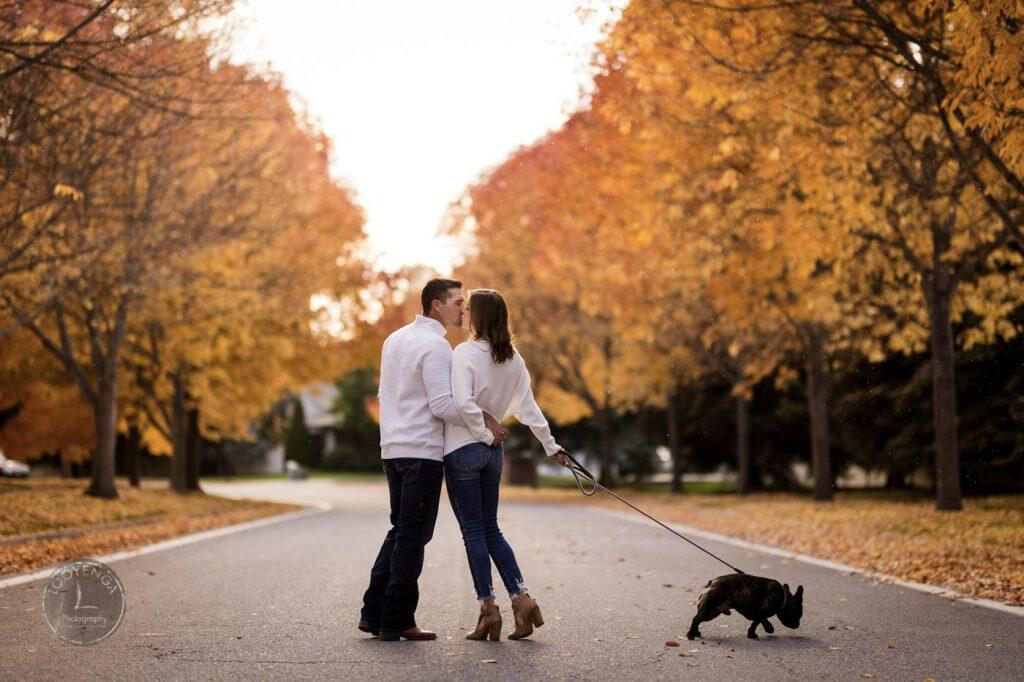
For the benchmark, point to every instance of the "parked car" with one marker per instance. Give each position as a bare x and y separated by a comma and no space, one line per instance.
9,467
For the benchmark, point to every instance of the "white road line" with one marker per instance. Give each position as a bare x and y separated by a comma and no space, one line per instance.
825,563
192,538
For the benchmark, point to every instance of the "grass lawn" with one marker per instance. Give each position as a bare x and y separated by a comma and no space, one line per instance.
978,551
702,487
45,521
339,476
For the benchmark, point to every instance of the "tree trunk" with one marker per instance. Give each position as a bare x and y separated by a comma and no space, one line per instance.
607,478
947,453
179,456
604,425
105,417
66,469
193,449
133,446
817,398
743,444
672,414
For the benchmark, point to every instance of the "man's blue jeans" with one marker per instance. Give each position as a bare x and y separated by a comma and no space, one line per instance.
415,490
472,474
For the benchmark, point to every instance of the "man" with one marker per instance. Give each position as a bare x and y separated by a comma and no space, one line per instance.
415,402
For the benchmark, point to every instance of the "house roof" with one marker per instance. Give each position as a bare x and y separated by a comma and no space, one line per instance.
317,400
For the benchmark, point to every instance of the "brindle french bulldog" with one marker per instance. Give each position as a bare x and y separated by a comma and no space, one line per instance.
755,598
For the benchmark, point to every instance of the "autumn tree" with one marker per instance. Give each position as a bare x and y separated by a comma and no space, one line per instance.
232,325
526,221
888,147
57,60
171,187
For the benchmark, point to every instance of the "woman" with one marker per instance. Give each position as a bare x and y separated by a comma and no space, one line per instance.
489,375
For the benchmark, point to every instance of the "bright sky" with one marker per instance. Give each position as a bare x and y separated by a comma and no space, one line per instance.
421,97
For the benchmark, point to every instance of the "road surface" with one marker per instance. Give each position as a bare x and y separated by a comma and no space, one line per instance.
281,602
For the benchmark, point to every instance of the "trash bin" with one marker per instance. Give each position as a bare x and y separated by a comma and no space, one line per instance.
520,468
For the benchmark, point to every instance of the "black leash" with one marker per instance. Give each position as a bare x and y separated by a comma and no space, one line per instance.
578,471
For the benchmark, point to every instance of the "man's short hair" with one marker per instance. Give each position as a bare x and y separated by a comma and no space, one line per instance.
437,290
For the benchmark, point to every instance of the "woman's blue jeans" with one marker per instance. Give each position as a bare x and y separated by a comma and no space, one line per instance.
472,475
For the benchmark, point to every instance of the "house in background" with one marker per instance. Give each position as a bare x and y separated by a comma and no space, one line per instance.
317,400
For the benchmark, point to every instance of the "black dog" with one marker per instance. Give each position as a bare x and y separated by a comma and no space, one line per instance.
755,598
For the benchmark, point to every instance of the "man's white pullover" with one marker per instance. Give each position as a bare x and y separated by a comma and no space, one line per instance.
415,391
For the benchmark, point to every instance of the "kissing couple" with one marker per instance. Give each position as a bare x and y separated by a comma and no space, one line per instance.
440,418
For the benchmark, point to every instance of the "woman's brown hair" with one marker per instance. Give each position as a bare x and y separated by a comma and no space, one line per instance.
488,320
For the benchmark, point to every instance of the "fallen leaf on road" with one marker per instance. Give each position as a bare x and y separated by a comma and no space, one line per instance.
868,675
489,660
834,648
683,655
831,627
850,627
892,646
671,642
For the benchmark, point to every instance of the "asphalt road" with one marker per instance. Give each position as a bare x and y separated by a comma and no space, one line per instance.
281,602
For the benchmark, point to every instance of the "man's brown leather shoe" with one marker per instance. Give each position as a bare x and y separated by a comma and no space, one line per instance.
413,633
366,627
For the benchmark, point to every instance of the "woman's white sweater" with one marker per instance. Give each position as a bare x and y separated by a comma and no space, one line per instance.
481,385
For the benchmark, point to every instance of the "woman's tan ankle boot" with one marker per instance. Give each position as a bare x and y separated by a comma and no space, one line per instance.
527,615
488,624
